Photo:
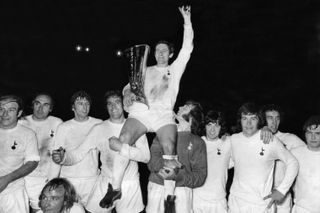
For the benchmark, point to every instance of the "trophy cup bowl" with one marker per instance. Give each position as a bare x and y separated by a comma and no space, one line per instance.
137,55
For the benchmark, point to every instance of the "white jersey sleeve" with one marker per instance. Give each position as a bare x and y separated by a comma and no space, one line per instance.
291,164
140,152
76,155
31,151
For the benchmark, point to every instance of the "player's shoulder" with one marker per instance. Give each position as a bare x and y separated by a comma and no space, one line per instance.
95,120
67,123
100,126
24,130
77,208
54,119
299,150
25,120
197,140
290,140
236,136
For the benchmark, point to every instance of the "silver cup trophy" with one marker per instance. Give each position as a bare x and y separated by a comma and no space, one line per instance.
137,56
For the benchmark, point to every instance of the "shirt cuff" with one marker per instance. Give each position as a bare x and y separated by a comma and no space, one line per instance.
32,158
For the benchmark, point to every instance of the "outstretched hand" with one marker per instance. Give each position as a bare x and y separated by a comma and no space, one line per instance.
276,197
186,13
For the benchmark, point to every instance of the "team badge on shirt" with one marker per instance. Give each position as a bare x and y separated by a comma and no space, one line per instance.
218,151
51,133
13,147
190,146
262,151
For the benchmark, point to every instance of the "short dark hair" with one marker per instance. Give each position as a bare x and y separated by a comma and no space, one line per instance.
80,94
13,98
44,94
213,116
252,109
70,196
196,113
111,93
313,120
170,45
272,107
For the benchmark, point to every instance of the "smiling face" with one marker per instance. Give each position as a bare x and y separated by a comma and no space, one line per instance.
313,137
162,54
249,124
114,107
9,114
81,108
213,130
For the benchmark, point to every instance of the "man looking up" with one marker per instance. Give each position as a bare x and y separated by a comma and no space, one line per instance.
161,87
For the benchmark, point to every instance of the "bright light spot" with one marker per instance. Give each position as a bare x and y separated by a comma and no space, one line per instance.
78,48
119,53
87,49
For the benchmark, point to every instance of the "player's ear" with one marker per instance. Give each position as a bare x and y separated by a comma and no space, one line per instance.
171,55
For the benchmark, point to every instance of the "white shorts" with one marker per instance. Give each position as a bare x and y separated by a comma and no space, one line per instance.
153,119
34,186
298,209
204,206
238,205
155,204
285,206
131,199
15,201
84,187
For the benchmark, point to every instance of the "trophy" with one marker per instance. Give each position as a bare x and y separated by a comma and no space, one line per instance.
137,56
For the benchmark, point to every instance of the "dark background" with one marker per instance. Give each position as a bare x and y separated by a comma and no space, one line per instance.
266,52
261,51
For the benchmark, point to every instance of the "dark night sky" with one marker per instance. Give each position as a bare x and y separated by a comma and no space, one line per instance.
262,51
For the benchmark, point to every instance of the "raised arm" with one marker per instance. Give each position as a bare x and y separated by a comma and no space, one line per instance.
188,31
183,57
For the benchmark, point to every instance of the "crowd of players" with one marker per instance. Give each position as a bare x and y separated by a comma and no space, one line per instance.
263,171
53,166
